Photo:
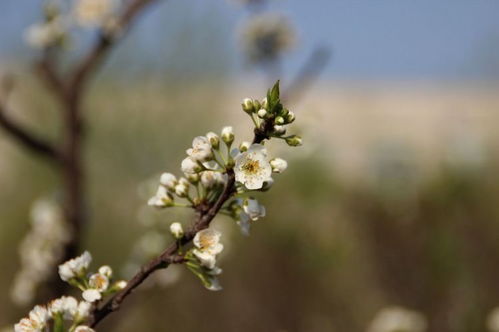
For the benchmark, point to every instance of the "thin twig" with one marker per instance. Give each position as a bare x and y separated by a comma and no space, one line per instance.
27,139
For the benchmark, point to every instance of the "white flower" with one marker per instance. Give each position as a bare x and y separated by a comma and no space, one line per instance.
99,282
210,179
83,328
252,167
176,230
43,35
190,166
36,322
253,209
208,246
106,271
162,198
75,267
91,295
93,13
265,37
278,165
168,180
83,310
228,134
397,319
493,320
66,305
201,149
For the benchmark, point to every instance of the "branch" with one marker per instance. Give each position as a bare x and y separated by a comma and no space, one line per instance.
308,73
27,139
96,55
168,256
46,70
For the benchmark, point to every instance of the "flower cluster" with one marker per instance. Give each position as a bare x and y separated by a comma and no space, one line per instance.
206,168
93,285
63,314
265,37
40,250
53,31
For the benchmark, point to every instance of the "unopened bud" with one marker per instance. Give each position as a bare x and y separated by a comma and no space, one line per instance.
290,117
279,130
244,146
192,178
265,103
228,135
248,106
294,140
279,120
214,140
176,230
256,104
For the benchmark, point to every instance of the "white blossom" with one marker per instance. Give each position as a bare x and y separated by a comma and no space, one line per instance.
190,166
36,321
99,282
66,305
201,149
398,319
75,267
162,198
278,165
91,295
176,230
46,34
252,167
93,13
168,180
182,189
208,246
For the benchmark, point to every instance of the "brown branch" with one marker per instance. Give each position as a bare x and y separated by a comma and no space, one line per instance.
168,256
104,42
46,71
27,139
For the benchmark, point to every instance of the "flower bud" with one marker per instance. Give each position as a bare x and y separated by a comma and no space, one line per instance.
177,230
214,140
190,166
279,120
120,284
278,165
168,180
256,104
228,135
192,178
248,106
265,103
267,184
294,140
290,117
181,190
262,113
244,146
279,130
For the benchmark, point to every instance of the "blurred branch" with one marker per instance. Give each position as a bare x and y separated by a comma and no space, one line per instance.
27,139
308,73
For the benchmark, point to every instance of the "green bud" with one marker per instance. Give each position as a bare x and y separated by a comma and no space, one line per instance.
227,135
214,140
244,146
248,105
192,178
294,140
279,120
290,117
265,104
256,104
279,130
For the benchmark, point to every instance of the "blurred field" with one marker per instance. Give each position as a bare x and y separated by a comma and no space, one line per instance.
393,200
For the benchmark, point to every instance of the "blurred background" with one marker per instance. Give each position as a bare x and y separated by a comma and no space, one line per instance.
393,200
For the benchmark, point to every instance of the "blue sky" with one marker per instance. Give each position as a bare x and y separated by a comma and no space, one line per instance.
371,39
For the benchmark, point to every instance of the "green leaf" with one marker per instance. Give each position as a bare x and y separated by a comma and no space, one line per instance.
274,103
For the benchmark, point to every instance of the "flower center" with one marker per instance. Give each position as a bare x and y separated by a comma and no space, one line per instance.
251,167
